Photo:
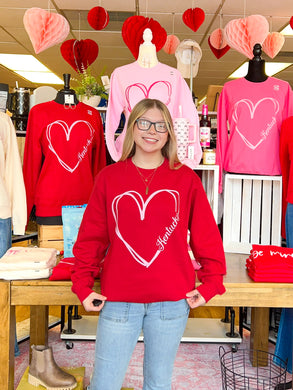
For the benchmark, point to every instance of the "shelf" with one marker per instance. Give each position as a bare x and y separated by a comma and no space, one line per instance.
204,330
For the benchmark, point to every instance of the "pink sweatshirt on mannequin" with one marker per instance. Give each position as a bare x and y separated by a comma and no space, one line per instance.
132,83
253,112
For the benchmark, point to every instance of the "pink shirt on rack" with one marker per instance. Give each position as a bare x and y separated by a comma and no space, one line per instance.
131,83
253,112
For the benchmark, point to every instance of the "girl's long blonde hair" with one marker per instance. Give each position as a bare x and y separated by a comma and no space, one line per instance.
169,150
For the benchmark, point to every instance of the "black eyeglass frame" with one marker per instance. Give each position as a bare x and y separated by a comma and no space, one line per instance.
150,124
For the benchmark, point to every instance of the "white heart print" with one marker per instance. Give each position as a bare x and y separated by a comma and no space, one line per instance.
263,133
142,207
67,130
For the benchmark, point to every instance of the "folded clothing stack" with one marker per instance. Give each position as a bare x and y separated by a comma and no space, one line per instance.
270,263
27,263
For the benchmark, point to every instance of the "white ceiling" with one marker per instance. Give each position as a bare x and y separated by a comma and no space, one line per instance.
112,50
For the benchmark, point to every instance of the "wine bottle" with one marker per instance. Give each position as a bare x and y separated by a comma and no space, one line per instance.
205,128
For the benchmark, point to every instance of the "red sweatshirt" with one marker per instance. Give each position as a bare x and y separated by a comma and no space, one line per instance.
140,241
64,150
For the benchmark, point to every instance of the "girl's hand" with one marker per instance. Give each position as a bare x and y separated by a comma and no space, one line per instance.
88,302
195,299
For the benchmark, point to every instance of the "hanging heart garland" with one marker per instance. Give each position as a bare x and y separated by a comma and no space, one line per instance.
243,34
45,29
171,44
98,18
273,44
193,18
217,43
79,54
132,33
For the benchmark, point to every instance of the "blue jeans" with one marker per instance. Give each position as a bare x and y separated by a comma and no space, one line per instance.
284,344
5,235
119,327
5,244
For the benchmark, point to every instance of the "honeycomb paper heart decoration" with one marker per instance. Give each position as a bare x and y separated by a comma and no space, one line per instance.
132,33
193,18
79,54
243,34
273,44
218,52
45,29
98,18
171,44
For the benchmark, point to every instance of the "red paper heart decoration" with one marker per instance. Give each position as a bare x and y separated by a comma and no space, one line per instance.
171,44
291,22
132,33
44,28
273,44
243,34
218,52
79,54
193,18
98,18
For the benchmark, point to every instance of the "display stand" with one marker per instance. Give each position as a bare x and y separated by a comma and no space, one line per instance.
198,330
210,181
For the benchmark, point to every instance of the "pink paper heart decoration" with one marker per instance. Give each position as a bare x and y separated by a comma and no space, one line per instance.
79,54
193,18
217,39
218,52
243,34
273,44
171,44
45,29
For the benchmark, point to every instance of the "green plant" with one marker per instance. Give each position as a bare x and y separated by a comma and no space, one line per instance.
89,85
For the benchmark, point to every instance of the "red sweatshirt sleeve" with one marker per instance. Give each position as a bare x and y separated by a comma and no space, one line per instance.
92,242
285,139
207,246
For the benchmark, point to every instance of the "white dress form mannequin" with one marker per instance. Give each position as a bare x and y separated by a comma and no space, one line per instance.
147,56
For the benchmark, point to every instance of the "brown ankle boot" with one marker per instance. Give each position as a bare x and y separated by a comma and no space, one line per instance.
44,371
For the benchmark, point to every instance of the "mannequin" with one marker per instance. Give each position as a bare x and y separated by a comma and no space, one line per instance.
147,56
66,95
256,67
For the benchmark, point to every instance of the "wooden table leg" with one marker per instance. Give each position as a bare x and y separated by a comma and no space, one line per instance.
259,334
7,337
39,322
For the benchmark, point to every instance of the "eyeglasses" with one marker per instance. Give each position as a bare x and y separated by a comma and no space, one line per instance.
145,125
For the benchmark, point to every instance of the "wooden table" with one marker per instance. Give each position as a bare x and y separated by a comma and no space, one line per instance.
241,291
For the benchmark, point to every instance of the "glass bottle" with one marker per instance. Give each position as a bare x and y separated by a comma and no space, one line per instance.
205,128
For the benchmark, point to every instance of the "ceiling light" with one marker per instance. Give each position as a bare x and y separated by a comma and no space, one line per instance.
40,77
288,30
30,68
271,68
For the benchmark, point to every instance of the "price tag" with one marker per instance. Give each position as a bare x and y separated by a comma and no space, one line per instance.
69,99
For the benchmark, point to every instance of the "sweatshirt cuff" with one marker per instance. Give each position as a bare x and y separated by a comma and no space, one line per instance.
82,295
208,290
18,230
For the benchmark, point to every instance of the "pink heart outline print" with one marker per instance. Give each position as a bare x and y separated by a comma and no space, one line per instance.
67,130
165,89
252,109
142,206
